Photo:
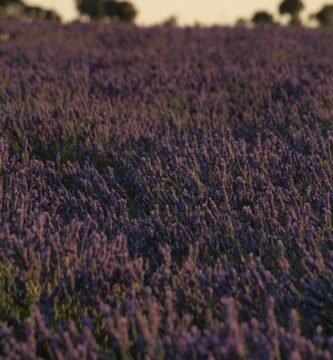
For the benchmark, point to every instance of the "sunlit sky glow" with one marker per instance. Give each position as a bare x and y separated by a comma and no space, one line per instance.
187,11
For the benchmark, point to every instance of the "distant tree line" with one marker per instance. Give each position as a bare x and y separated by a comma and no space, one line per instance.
93,9
18,9
293,8
126,11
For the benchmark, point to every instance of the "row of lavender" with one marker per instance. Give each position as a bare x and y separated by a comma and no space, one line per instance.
166,193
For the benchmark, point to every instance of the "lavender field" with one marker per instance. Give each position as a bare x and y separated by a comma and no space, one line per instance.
165,193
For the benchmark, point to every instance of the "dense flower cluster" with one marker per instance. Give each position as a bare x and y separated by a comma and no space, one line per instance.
165,193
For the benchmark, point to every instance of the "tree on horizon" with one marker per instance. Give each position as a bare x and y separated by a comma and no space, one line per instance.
92,8
292,8
99,9
38,13
17,9
263,18
324,16
121,10
171,21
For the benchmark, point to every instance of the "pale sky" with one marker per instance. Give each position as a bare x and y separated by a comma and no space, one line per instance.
187,11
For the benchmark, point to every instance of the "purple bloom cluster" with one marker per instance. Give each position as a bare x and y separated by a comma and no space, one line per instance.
166,193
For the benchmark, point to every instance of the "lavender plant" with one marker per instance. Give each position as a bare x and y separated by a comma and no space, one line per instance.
165,193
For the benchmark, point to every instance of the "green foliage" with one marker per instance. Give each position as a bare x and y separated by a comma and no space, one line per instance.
92,8
325,16
121,10
17,9
15,301
262,17
4,3
98,9
293,8
38,13
6,300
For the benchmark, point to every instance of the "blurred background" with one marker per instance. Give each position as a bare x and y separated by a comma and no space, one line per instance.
177,12
187,12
